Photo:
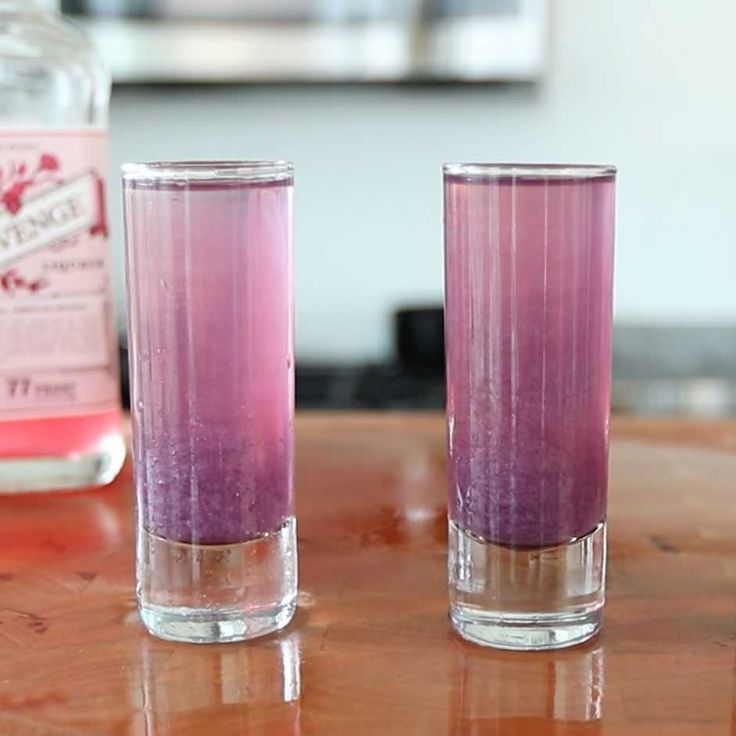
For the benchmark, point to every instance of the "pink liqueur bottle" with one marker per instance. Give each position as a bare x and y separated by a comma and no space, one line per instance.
59,388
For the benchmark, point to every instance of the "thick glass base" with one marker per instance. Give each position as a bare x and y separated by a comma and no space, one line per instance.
97,467
526,599
217,593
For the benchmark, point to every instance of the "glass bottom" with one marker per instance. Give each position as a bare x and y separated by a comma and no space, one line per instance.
217,593
526,599
97,467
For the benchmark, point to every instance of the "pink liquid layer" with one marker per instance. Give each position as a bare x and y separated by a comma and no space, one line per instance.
528,303
59,437
211,362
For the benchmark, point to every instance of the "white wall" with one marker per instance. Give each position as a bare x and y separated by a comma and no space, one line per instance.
649,85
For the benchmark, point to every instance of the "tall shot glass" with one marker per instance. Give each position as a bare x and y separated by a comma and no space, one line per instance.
212,396
529,264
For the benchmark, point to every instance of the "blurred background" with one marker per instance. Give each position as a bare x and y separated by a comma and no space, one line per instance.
370,97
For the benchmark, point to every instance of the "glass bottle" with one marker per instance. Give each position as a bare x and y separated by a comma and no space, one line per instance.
59,386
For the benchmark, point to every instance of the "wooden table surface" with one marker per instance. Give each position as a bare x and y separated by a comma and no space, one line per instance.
370,650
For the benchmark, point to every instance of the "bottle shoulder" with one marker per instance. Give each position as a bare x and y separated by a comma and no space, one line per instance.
50,74
45,38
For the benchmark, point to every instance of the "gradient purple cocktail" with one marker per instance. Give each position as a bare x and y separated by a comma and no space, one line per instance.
529,260
211,315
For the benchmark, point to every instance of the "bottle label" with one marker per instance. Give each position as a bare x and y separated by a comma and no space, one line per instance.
58,354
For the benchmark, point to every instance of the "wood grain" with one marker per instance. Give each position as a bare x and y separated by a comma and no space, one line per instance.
370,651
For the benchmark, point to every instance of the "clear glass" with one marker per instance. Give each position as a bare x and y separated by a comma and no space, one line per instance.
529,264
52,79
212,396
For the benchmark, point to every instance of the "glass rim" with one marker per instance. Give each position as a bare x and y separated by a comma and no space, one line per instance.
478,170
208,171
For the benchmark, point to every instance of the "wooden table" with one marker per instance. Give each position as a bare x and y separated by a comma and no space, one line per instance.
370,650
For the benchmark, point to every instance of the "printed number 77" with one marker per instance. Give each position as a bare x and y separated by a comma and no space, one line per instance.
19,387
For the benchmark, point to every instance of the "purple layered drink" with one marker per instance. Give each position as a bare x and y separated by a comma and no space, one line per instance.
212,365
529,262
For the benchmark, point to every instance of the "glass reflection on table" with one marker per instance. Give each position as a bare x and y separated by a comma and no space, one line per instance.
252,688
535,694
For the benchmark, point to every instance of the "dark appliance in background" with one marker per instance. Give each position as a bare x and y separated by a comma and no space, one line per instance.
414,379
109,8
419,333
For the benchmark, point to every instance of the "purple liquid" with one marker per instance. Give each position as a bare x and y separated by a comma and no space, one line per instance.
528,321
212,360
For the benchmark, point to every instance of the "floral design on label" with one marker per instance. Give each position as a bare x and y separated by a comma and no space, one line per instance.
56,318
61,210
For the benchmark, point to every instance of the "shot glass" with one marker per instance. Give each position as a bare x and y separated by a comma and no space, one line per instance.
210,313
529,263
